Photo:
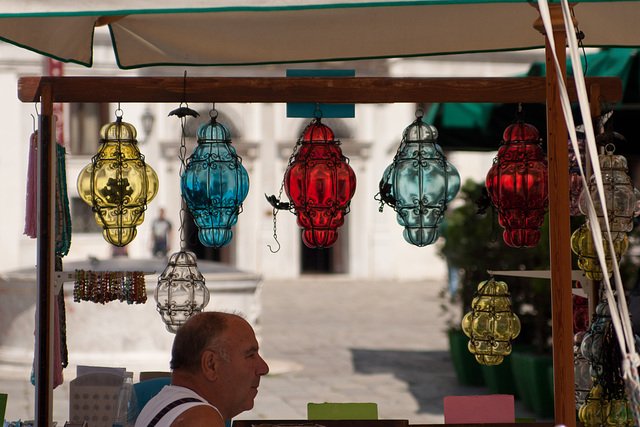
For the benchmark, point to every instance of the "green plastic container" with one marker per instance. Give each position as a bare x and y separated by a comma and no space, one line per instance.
468,370
531,375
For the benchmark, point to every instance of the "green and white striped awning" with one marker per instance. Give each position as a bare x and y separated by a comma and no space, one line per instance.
229,32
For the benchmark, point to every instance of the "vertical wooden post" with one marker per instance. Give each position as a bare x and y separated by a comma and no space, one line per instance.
559,229
46,261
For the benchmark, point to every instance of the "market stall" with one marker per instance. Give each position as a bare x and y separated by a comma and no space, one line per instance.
48,90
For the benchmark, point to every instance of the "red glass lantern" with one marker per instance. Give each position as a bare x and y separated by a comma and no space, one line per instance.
320,184
518,186
580,313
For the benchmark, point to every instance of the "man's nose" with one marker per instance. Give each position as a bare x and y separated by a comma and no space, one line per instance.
263,368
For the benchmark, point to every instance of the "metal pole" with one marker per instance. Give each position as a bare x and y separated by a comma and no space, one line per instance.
46,262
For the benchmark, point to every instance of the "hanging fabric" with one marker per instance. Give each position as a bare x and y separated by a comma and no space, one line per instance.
60,356
31,211
63,216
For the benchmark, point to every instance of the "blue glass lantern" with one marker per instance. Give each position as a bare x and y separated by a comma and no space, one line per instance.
214,184
419,183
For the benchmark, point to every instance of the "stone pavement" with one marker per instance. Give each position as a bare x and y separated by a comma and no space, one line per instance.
330,339
333,340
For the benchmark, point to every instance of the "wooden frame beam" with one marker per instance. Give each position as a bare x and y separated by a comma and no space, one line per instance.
335,90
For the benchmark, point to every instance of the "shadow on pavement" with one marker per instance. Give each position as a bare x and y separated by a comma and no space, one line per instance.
429,375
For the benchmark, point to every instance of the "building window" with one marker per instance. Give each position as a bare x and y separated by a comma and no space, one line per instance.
85,121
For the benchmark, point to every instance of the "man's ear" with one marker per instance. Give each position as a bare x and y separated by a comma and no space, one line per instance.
209,364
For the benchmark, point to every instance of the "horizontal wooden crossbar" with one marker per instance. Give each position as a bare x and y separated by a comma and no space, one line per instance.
335,90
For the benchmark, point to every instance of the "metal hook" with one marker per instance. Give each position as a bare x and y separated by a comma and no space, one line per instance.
184,89
519,112
318,113
34,122
213,113
277,250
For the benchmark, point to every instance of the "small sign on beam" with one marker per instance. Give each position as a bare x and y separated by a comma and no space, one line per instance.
308,110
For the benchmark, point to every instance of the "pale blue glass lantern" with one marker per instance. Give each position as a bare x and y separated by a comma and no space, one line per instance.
419,183
214,184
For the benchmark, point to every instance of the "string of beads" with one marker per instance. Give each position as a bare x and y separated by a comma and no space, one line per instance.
106,286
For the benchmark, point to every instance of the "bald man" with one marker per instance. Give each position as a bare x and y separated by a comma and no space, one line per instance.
216,370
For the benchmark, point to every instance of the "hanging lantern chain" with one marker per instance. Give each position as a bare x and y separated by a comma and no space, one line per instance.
182,112
275,202
182,156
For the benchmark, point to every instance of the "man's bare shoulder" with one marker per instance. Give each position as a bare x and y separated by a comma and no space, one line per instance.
201,415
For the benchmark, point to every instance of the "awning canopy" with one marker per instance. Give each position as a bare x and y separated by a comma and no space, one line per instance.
227,32
479,126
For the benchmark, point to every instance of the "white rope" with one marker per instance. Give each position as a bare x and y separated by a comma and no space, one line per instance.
619,312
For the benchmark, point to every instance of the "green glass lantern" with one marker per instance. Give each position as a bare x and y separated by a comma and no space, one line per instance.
118,184
491,325
582,245
419,183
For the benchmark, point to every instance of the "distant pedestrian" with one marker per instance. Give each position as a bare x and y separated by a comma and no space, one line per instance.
161,229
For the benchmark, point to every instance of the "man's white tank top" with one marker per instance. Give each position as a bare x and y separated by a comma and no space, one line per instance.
164,402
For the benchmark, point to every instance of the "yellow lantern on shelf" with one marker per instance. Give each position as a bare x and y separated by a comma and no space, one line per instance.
118,183
491,325
582,245
599,411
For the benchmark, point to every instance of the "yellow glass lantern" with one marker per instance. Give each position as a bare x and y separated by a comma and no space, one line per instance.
582,245
598,411
491,325
118,183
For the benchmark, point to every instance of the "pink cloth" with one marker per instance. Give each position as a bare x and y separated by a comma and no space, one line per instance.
58,377
31,217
